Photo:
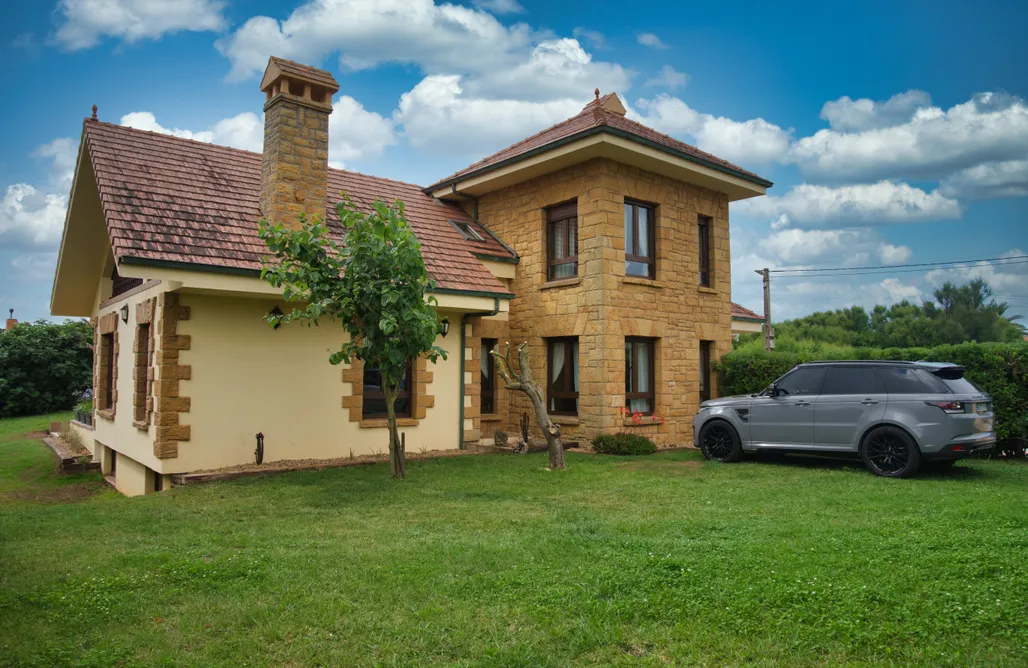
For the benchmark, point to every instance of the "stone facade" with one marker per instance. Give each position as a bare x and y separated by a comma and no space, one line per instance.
476,425
167,387
354,401
601,306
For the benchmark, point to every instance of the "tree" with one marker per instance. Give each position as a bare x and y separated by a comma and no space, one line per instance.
44,367
522,380
374,284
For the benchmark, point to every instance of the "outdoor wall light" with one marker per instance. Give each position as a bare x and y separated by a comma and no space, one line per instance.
277,312
124,313
445,327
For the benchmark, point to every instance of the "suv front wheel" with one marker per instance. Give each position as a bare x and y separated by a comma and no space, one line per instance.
890,452
719,441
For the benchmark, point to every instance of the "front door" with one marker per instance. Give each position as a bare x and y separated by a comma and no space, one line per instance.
852,399
787,419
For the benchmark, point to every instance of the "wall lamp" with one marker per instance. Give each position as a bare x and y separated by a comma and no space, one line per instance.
277,312
124,313
445,325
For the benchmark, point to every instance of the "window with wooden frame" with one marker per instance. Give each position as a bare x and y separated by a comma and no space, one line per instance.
640,240
106,372
487,398
140,378
703,229
374,405
706,350
562,241
562,376
639,369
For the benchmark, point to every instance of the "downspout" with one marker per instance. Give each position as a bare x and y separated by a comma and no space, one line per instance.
460,384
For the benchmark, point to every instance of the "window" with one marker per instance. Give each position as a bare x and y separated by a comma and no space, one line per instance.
466,230
861,380
639,375
107,371
142,366
562,241
563,376
487,399
640,240
805,381
703,241
902,380
374,400
705,348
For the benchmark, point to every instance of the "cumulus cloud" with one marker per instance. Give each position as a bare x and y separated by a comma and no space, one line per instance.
62,153
991,127
848,115
988,181
755,141
437,115
1009,278
847,247
669,78
30,218
500,6
594,37
651,40
34,267
817,206
82,23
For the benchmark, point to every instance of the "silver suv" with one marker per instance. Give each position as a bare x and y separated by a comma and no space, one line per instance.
894,415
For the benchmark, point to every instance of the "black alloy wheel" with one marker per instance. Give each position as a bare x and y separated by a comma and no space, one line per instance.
719,442
889,452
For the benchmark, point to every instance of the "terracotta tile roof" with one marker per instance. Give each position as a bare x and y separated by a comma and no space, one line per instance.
304,72
178,200
740,312
594,116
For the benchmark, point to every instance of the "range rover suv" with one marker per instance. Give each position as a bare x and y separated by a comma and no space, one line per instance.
894,415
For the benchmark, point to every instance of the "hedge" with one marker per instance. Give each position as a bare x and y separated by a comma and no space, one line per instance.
44,366
623,443
1001,369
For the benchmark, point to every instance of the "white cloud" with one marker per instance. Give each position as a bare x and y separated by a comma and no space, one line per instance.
988,181
1009,279
892,290
438,116
34,267
145,120
84,22
669,78
755,141
846,114
595,37
856,205
500,6
651,40
991,127
30,218
781,222
890,254
437,38
62,153
847,247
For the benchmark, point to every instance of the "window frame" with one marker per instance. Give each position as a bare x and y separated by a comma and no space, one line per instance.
465,229
651,235
632,372
107,371
704,227
570,343
706,350
140,380
407,394
561,213
488,389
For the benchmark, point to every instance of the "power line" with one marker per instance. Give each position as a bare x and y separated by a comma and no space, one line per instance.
920,264
843,271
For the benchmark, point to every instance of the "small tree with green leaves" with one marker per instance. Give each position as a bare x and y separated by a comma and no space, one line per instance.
374,284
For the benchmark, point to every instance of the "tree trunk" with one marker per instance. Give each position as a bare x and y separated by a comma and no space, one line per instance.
523,381
397,466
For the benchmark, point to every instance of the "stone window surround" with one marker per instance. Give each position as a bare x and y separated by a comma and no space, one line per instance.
106,325
706,259
651,231
169,402
409,394
143,373
571,342
354,375
478,329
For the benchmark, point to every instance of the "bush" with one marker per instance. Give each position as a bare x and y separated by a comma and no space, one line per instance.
44,367
623,444
1001,369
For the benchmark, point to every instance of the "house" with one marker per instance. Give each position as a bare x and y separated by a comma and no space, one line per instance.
745,321
600,242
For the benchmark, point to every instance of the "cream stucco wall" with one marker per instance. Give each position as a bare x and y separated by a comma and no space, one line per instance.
132,478
248,378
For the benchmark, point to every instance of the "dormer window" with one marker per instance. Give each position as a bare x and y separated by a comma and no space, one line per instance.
466,231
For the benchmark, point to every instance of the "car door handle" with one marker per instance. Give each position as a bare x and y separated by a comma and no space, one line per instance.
802,403
868,402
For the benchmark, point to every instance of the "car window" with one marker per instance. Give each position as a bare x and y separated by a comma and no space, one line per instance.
902,380
802,381
962,386
934,384
853,380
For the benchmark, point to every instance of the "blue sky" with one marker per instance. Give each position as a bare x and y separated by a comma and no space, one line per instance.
895,132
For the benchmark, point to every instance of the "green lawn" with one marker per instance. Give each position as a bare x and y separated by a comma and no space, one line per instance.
494,561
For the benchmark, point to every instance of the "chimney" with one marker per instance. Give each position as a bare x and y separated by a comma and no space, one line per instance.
11,322
294,172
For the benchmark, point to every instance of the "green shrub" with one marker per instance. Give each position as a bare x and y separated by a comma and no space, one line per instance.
44,367
1001,369
623,443
84,406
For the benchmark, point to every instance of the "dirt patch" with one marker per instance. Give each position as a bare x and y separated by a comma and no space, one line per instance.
57,494
670,467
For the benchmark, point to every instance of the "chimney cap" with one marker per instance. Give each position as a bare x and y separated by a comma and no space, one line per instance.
279,68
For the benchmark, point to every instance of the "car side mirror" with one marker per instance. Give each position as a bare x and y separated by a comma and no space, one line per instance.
774,390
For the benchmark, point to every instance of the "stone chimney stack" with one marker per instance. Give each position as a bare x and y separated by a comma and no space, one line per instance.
294,172
11,322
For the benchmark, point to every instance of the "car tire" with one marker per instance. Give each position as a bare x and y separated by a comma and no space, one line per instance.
890,452
720,442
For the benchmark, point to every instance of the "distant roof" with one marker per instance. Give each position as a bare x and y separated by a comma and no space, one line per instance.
600,114
171,201
291,68
740,313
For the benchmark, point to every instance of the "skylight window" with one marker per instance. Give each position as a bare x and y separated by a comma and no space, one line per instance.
466,230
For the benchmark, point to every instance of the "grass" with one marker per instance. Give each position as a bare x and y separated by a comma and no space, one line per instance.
494,561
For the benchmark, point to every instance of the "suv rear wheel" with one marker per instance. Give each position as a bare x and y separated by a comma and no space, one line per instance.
720,442
890,452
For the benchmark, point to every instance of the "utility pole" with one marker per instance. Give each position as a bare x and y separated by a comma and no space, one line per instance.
769,334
